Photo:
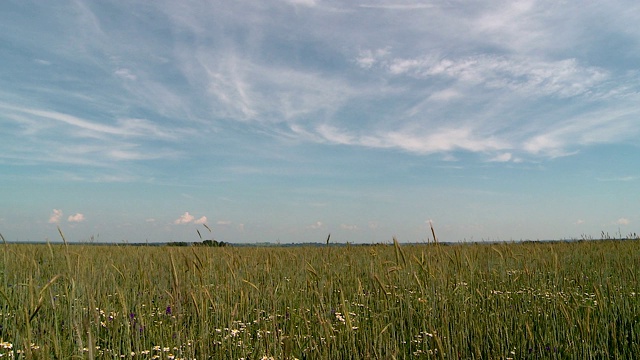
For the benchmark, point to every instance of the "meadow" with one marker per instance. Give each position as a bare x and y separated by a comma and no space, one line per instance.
574,300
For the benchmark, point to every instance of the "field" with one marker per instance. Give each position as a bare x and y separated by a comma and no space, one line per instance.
573,300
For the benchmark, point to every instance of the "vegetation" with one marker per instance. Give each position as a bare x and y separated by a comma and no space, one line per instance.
518,300
211,243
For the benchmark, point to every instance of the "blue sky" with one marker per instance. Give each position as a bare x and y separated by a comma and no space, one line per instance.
288,120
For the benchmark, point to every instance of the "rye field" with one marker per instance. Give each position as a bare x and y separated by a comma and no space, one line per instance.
575,300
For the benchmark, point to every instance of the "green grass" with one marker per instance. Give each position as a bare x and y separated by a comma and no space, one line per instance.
523,301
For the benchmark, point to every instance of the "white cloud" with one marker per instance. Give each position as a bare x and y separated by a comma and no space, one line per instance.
508,62
248,90
622,221
598,127
531,76
202,220
126,152
55,216
396,6
504,157
187,218
579,222
309,3
58,137
349,227
223,222
620,178
418,140
91,128
125,74
76,218
184,219
336,136
445,95
368,58
317,225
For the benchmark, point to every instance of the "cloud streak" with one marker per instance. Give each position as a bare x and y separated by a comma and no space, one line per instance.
84,128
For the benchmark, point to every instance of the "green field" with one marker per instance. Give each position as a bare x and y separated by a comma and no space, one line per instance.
574,300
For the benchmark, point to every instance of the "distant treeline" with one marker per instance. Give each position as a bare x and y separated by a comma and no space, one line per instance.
210,243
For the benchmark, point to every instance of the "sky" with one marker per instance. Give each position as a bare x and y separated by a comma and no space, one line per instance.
285,121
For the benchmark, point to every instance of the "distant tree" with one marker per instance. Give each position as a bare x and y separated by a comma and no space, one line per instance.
178,243
213,243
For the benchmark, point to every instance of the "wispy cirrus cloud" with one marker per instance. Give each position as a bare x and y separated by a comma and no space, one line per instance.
388,72
422,141
125,74
398,6
56,137
563,78
596,127
86,128
246,90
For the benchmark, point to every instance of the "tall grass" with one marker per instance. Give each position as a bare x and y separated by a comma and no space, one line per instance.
533,300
